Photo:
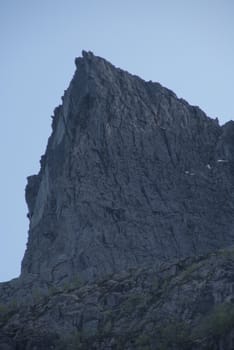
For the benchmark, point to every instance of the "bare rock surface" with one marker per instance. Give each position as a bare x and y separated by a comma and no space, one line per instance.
131,224
184,305
132,175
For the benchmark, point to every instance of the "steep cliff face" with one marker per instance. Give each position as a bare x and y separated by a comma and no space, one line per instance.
131,176
131,224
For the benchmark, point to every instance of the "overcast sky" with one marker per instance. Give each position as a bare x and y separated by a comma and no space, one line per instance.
186,45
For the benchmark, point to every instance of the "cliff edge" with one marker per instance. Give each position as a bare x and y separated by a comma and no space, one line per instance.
131,176
131,224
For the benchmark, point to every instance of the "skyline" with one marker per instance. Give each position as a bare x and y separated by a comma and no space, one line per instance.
187,48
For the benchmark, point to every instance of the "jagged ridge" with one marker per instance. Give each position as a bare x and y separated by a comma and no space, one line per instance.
132,175
134,190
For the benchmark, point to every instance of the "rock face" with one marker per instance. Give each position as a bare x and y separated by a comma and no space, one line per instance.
132,175
131,224
187,305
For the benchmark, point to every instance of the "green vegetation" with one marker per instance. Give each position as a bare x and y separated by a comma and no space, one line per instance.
227,253
73,284
70,342
134,301
175,334
7,310
214,326
155,283
107,327
143,341
75,340
53,290
188,273
217,323
37,295
3,309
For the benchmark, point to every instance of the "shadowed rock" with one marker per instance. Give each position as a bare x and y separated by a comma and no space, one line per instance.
131,176
131,224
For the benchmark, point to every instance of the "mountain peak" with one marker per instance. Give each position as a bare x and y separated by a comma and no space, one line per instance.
118,186
130,223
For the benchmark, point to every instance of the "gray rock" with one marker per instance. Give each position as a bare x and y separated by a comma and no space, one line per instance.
184,305
131,176
131,224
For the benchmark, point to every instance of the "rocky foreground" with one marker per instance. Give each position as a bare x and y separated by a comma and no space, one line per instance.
185,305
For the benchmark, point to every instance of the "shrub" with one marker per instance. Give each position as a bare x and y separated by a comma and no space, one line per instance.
218,322
175,334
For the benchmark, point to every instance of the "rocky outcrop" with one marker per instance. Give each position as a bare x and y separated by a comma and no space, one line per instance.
132,176
185,305
131,224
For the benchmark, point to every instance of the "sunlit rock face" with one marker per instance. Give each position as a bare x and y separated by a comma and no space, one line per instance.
132,176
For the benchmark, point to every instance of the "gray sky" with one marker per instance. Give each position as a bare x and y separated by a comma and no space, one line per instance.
186,45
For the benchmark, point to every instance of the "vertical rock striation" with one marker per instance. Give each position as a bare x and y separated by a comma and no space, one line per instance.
131,176
131,224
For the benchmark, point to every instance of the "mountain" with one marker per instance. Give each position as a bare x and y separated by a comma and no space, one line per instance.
131,228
